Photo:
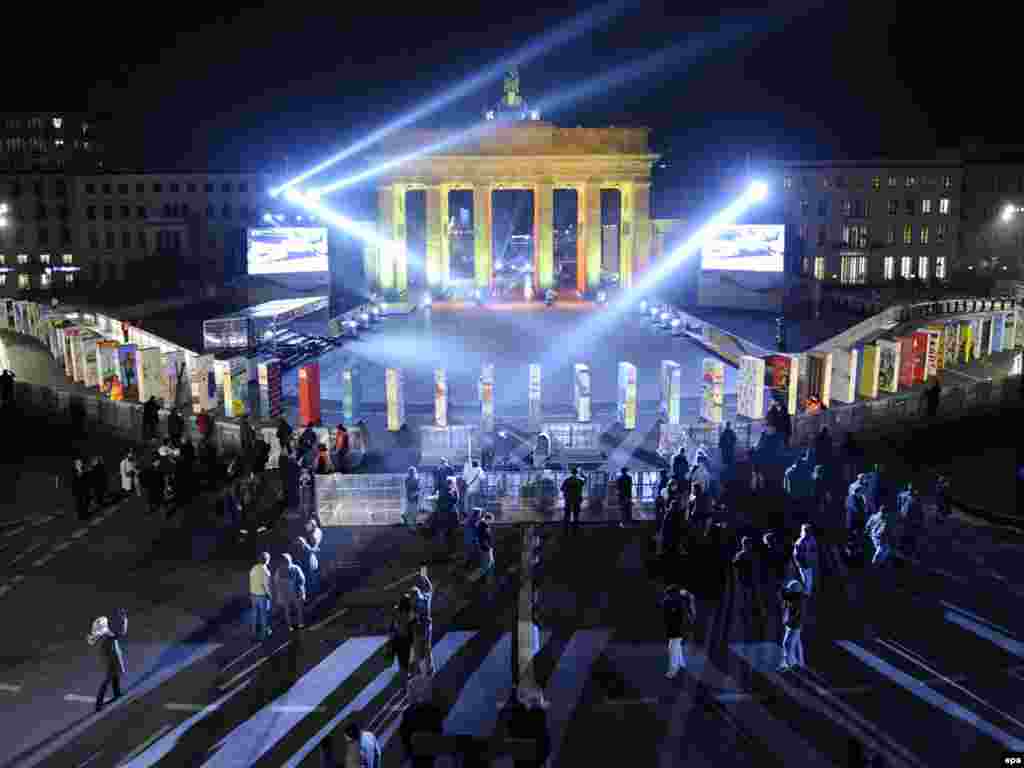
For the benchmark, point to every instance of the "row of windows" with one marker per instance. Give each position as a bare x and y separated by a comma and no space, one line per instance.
158,187
44,258
19,144
859,235
42,236
170,211
853,270
45,280
60,188
43,212
163,239
861,209
36,124
858,182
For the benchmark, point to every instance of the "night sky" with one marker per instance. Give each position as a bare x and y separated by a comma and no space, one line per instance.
242,89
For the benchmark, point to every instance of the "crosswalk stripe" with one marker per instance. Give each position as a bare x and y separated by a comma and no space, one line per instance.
765,657
1005,642
930,695
444,650
976,617
248,742
476,709
568,680
149,754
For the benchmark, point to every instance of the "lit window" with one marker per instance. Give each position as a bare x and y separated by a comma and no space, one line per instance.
44,258
23,280
944,206
876,182
924,235
67,258
940,233
806,265
906,268
819,267
23,258
940,267
58,122
845,207
787,182
926,206
44,280
894,206
892,181
910,181
58,142
3,259
889,267
69,278
3,278
802,232
922,268
908,234
853,270
947,183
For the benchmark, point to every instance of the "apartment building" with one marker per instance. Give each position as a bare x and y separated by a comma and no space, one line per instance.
868,222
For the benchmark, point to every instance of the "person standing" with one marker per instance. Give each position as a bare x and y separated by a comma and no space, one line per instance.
412,498
878,529
469,537
150,418
680,614
786,425
284,434
943,505
798,485
129,475
176,427
260,595
727,446
572,494
680,466
400,634
474,478
310,565
289,588
661,499
362,746
624,485
340,448
743,566
423,596
932,395
109,645
204,425
485,542
805,555
81,489
912,514
823,452
774,564
100,481
792,622
447,513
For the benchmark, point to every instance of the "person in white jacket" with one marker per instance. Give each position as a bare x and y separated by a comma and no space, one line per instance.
129,475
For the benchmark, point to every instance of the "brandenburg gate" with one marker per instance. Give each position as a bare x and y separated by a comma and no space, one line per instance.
522,155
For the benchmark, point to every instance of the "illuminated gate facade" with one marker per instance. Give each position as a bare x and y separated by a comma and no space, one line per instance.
529,155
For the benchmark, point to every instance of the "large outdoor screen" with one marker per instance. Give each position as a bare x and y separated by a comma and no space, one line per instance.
281,250
746,248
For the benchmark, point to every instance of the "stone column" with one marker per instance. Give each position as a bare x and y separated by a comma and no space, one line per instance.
392,269
626,234
401,252
592,229
642,226
543,237
446,242
436,227
581,238
482,236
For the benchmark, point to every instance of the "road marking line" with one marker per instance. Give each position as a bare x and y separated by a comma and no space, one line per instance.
42,561
145,745
176,707
9,688
911,657
976,617
297,708
4,589
15,531
64,545
399,581
90,759
18,579
337,614
79,533
239,658
96,522
79,698
34,547
225,685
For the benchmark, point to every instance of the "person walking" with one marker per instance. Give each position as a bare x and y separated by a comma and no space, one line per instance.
150,419
680,614
700,473
289,588
129,475
153,484
261,595
878,529
362,747
572,494
400,634
474,479
805,555
943,503
785,425
108,643
727,447
100,481
911,511
310,565
774,562
423,596
698,510
81,489
624,486
792,622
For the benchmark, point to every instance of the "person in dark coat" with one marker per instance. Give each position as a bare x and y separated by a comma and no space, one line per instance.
661,499
81,489
109,646
932,395
261,454
341,448
624,486
447,513
400,635
785,425
680,466
680,614
823,453
150,418
727,446
183,471
572,493
175,426
100,481
153,484
284,434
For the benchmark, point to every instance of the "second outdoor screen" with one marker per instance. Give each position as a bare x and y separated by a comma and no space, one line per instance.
746,248
280,250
